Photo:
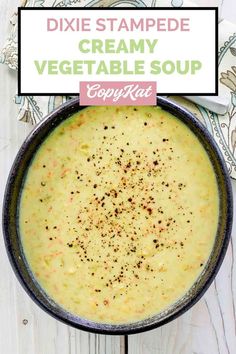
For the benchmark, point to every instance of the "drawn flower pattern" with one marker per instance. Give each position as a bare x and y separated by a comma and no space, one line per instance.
9,55
229,79
233,140
177,3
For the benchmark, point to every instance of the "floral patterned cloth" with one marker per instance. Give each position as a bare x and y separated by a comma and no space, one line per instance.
32,109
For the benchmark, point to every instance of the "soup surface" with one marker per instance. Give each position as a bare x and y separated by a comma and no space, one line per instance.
119,212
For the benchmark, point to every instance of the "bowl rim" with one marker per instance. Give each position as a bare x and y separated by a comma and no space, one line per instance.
133,327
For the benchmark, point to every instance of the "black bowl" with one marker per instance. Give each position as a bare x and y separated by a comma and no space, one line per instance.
14,246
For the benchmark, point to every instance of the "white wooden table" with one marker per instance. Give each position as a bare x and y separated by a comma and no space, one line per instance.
208,328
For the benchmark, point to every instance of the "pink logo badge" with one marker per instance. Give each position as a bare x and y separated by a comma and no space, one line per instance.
104,93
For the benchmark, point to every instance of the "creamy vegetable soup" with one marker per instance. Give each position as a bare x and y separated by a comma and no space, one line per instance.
119,212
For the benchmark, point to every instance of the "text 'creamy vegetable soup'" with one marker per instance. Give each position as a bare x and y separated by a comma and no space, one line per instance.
119,212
